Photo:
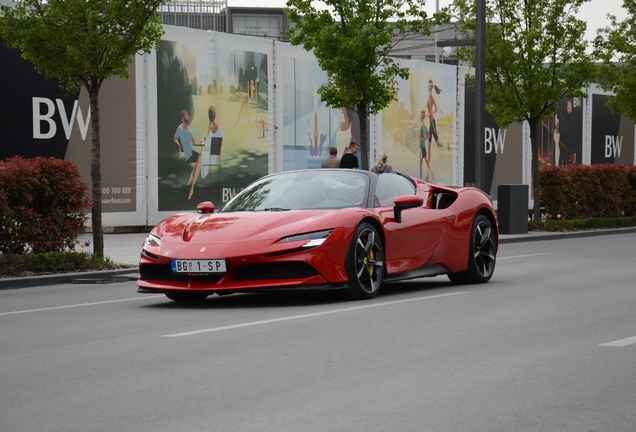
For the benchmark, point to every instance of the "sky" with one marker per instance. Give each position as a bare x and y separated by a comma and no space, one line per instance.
594,12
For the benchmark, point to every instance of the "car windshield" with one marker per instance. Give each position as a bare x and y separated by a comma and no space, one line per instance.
303,190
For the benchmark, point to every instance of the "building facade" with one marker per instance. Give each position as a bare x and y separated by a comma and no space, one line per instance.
272,23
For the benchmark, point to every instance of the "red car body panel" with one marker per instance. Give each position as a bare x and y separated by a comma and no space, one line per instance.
427,237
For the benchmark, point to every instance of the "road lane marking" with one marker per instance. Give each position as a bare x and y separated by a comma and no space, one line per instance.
310,315
621,342
523,256
78,305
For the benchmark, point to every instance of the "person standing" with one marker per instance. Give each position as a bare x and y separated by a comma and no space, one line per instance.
332,161
350,160
382,166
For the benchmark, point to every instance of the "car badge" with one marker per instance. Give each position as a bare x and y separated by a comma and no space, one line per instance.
202,249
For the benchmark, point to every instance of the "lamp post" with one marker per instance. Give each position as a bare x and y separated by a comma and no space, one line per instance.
480,88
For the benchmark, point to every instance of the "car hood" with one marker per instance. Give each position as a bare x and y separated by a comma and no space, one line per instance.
244,226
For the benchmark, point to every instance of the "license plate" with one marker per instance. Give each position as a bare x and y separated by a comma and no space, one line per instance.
198,266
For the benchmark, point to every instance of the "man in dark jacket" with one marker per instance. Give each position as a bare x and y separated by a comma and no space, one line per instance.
350,160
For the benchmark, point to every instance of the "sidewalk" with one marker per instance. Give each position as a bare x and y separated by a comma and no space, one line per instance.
125,248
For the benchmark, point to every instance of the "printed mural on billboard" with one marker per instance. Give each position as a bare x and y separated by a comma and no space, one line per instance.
310,128
40,119
212,118
418,127
503,149
561,135
612,137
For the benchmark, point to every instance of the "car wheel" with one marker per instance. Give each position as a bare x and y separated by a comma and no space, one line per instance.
365,263
186,297
482,254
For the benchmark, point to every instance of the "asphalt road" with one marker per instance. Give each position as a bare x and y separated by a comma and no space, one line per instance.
526,352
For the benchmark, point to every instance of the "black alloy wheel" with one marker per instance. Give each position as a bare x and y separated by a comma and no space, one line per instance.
365,262
482,254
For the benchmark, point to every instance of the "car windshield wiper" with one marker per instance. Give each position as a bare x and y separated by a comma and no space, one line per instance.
273,209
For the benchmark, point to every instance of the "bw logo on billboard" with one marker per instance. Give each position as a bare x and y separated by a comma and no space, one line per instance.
613,145
495,140
43,112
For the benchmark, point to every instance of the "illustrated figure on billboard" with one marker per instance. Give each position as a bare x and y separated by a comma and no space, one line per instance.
424,155
431,107
184,139
315,145
346,132
213,141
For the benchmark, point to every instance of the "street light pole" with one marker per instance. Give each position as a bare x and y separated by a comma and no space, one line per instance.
480,94
480,89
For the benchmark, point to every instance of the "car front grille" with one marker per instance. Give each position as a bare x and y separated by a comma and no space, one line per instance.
158,272
289,270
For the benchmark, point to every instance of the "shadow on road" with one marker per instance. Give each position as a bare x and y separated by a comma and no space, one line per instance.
390,291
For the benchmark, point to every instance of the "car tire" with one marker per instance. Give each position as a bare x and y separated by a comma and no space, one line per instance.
482,254
364,263
186,297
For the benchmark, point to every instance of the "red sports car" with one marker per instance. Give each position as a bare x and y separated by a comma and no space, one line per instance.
322,229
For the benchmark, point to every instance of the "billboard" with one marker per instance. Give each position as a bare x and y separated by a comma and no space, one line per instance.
418,128
310,127
612,135
561,134
40,119
503,149
211,137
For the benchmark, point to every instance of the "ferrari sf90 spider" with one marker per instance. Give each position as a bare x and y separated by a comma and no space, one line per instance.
322,229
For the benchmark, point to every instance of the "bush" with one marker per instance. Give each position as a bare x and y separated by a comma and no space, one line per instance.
52,262
43,204
589,191
582,224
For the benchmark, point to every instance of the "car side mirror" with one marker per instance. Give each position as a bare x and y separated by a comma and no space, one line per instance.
205,207
404,202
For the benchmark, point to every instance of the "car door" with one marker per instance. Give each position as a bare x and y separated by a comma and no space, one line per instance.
413,242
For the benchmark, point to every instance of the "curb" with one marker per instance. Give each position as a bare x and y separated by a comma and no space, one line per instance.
522,238
102,276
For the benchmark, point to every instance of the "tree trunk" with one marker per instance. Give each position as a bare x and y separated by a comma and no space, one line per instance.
536,186
96,175
364,135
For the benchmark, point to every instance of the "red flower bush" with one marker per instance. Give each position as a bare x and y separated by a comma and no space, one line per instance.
43,204
589,191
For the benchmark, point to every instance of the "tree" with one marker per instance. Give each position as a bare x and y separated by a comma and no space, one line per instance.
82,43
351,40
616,47
535,55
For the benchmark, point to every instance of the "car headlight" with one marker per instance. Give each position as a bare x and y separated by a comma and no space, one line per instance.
152,240
312,239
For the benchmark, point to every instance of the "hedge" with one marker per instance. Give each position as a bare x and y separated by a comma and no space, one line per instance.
588,191
43,204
